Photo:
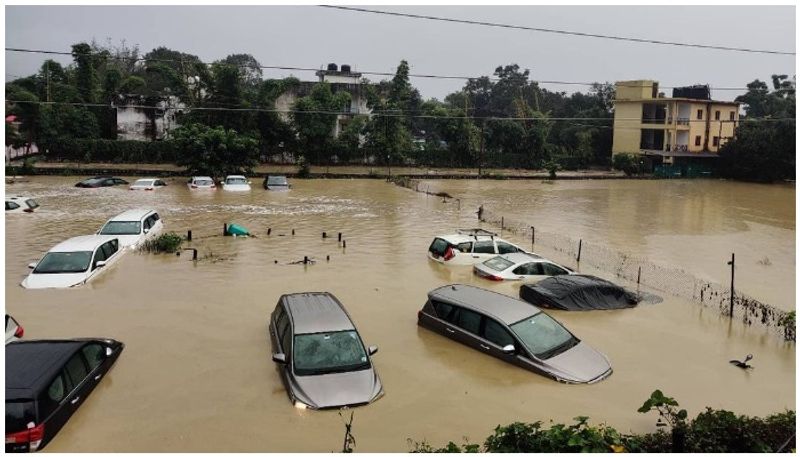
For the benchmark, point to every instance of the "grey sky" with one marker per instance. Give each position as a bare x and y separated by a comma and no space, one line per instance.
309,36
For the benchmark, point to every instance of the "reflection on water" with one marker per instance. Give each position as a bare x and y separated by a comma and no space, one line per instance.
196,374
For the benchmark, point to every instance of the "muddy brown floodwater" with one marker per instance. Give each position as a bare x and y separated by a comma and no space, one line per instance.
196,373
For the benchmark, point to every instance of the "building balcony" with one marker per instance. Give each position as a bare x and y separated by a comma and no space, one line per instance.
654,120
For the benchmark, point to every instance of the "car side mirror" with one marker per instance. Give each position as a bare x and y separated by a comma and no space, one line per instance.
249,182
279,358
32,265
109,351
509,349
99,263
146,230
372,350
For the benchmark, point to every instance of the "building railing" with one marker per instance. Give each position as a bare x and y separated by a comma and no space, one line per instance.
683,121
653,120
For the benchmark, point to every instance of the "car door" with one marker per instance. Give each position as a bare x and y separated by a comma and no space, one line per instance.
467,326
506,248
108,182
53,405
99,255
551,269
495,337
483,249
531,272
78,374
157,225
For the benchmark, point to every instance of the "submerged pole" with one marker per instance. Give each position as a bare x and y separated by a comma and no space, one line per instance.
639,276
533,235
224,229
580,245
189,235
732,263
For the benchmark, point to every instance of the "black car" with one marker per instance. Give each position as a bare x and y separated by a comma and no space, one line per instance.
577,293
46,382
274,182
101,181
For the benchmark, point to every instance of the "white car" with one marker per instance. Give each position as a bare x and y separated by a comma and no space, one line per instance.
20,204
133,227
519,266
468,247
236,183
147,184
201,182
73,262
14,331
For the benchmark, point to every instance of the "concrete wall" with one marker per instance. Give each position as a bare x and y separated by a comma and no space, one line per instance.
627,127
147,124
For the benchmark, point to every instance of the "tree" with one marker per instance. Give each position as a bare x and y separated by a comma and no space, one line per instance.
86,72
314,118
215,151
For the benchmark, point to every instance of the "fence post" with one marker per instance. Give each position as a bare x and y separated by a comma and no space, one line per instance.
639,276
732,263
502,222
189,235
224,229
533,235
580,245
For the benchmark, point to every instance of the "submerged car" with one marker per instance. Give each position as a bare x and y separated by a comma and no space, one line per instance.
201,182
46,382
133,227
236,183
101,181
20,204
14,331
578,293
512,331
276,183
321,358
468,247
519,266
147,184
73,262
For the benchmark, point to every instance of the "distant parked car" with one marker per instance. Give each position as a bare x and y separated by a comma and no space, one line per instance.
46,382
519,266
14,331
133,227
578,293
513,331
20,204
236,183
201,182
320,355
276,183
101,181
468,247
72,262
147,184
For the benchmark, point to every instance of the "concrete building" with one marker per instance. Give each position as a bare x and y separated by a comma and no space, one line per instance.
147,124
675,132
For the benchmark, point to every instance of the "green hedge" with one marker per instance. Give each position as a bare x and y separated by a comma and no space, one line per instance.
110,151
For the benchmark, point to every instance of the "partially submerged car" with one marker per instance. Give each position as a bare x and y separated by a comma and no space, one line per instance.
201,182
512,331
321,358
577,293
147,184
469,246
236,183
14,331
519,266
133,227
20,204
47,381
73,262
101,181
274,182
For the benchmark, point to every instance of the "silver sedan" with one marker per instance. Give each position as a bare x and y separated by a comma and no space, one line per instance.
519,266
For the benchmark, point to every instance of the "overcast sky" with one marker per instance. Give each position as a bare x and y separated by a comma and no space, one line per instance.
310,36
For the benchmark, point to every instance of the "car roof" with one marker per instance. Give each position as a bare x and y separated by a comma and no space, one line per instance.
457,238
501,307
82,243
31,365
132,214
235,176
315,312
17,197
201,177
519,257
145,179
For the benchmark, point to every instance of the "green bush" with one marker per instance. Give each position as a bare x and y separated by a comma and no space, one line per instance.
626,163
110,151
167,242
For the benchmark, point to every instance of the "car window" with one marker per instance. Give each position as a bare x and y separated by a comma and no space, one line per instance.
19,414
98,256
465,247
121,228
148,223
334,352
95,354
505,248
160,183
543,335
11,205
64,262
57,390
553,270
286,340
468,320
438,247
498,263
483,247
530,268
109,248
120,181
108,182
442,310
497,333
49,400
155,217
282,325
76,369
31,203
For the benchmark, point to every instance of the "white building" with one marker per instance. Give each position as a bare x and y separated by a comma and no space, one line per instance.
140,123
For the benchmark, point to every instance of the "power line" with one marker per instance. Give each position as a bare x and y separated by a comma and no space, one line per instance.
371,73
561,32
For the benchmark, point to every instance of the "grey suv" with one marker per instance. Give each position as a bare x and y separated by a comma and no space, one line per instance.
514,331
321,359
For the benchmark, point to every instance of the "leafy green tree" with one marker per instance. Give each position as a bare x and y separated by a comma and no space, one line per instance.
314,119
214,151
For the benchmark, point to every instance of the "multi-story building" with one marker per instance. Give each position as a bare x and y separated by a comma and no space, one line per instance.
672,131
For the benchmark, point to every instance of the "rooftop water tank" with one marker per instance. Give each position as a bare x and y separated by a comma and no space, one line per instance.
345,68
332,67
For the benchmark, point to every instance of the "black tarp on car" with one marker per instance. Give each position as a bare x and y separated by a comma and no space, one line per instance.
577,293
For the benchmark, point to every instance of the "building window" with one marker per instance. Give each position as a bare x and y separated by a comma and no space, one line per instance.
699,114
716,141
733,115
716,115
697,140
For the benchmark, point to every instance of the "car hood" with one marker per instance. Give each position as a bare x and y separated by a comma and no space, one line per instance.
580,363
236,187
62,280
338,389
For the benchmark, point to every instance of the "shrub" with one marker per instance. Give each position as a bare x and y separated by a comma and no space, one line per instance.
167,242
625,163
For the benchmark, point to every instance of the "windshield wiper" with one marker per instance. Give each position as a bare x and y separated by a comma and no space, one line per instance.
569,344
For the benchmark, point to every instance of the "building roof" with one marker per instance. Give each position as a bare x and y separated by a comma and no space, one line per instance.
31,365
502,307
82,243
315,312
655,152
678,99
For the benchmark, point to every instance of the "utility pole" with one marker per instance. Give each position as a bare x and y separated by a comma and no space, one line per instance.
480,157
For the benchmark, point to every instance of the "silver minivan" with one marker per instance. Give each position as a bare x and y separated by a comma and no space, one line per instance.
320,355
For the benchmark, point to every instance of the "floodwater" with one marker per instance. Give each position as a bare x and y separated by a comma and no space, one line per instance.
694,225
196,373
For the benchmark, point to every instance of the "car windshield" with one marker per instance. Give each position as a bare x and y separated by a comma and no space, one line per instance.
121,228
235,181
543,336
498,263
276,181
143,182
319,353
203,182
64,262
18,415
